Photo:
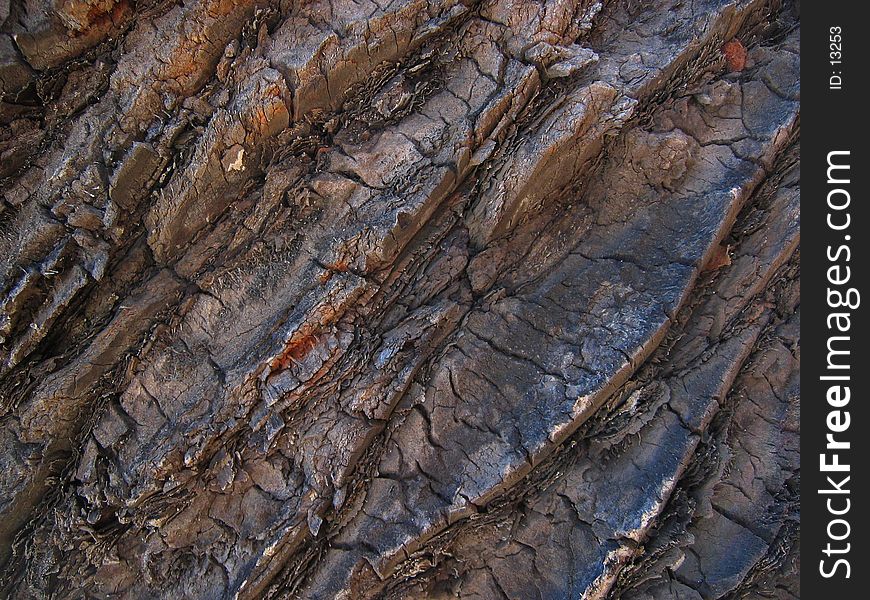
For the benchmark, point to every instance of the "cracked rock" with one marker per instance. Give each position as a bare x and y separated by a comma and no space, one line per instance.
454,299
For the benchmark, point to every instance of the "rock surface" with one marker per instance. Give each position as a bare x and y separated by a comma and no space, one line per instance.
452,299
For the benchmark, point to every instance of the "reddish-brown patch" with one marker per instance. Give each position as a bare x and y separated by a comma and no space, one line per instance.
721,258
295,350
340,266
97,19
331,269
735,55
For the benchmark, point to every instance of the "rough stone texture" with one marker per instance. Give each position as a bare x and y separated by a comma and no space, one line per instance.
454,299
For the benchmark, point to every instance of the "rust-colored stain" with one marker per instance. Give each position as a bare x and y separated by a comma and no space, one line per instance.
735,55
88,18
331,269
341,266
295,350
721,258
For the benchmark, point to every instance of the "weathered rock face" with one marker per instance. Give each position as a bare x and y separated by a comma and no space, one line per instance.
473,299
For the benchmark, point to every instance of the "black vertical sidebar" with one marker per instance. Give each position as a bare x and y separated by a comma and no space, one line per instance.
835,422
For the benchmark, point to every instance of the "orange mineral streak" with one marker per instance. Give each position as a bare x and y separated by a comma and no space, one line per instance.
189,62
340,266
721,258
270,117
97,21
296,350
307,337
735,55
79,15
